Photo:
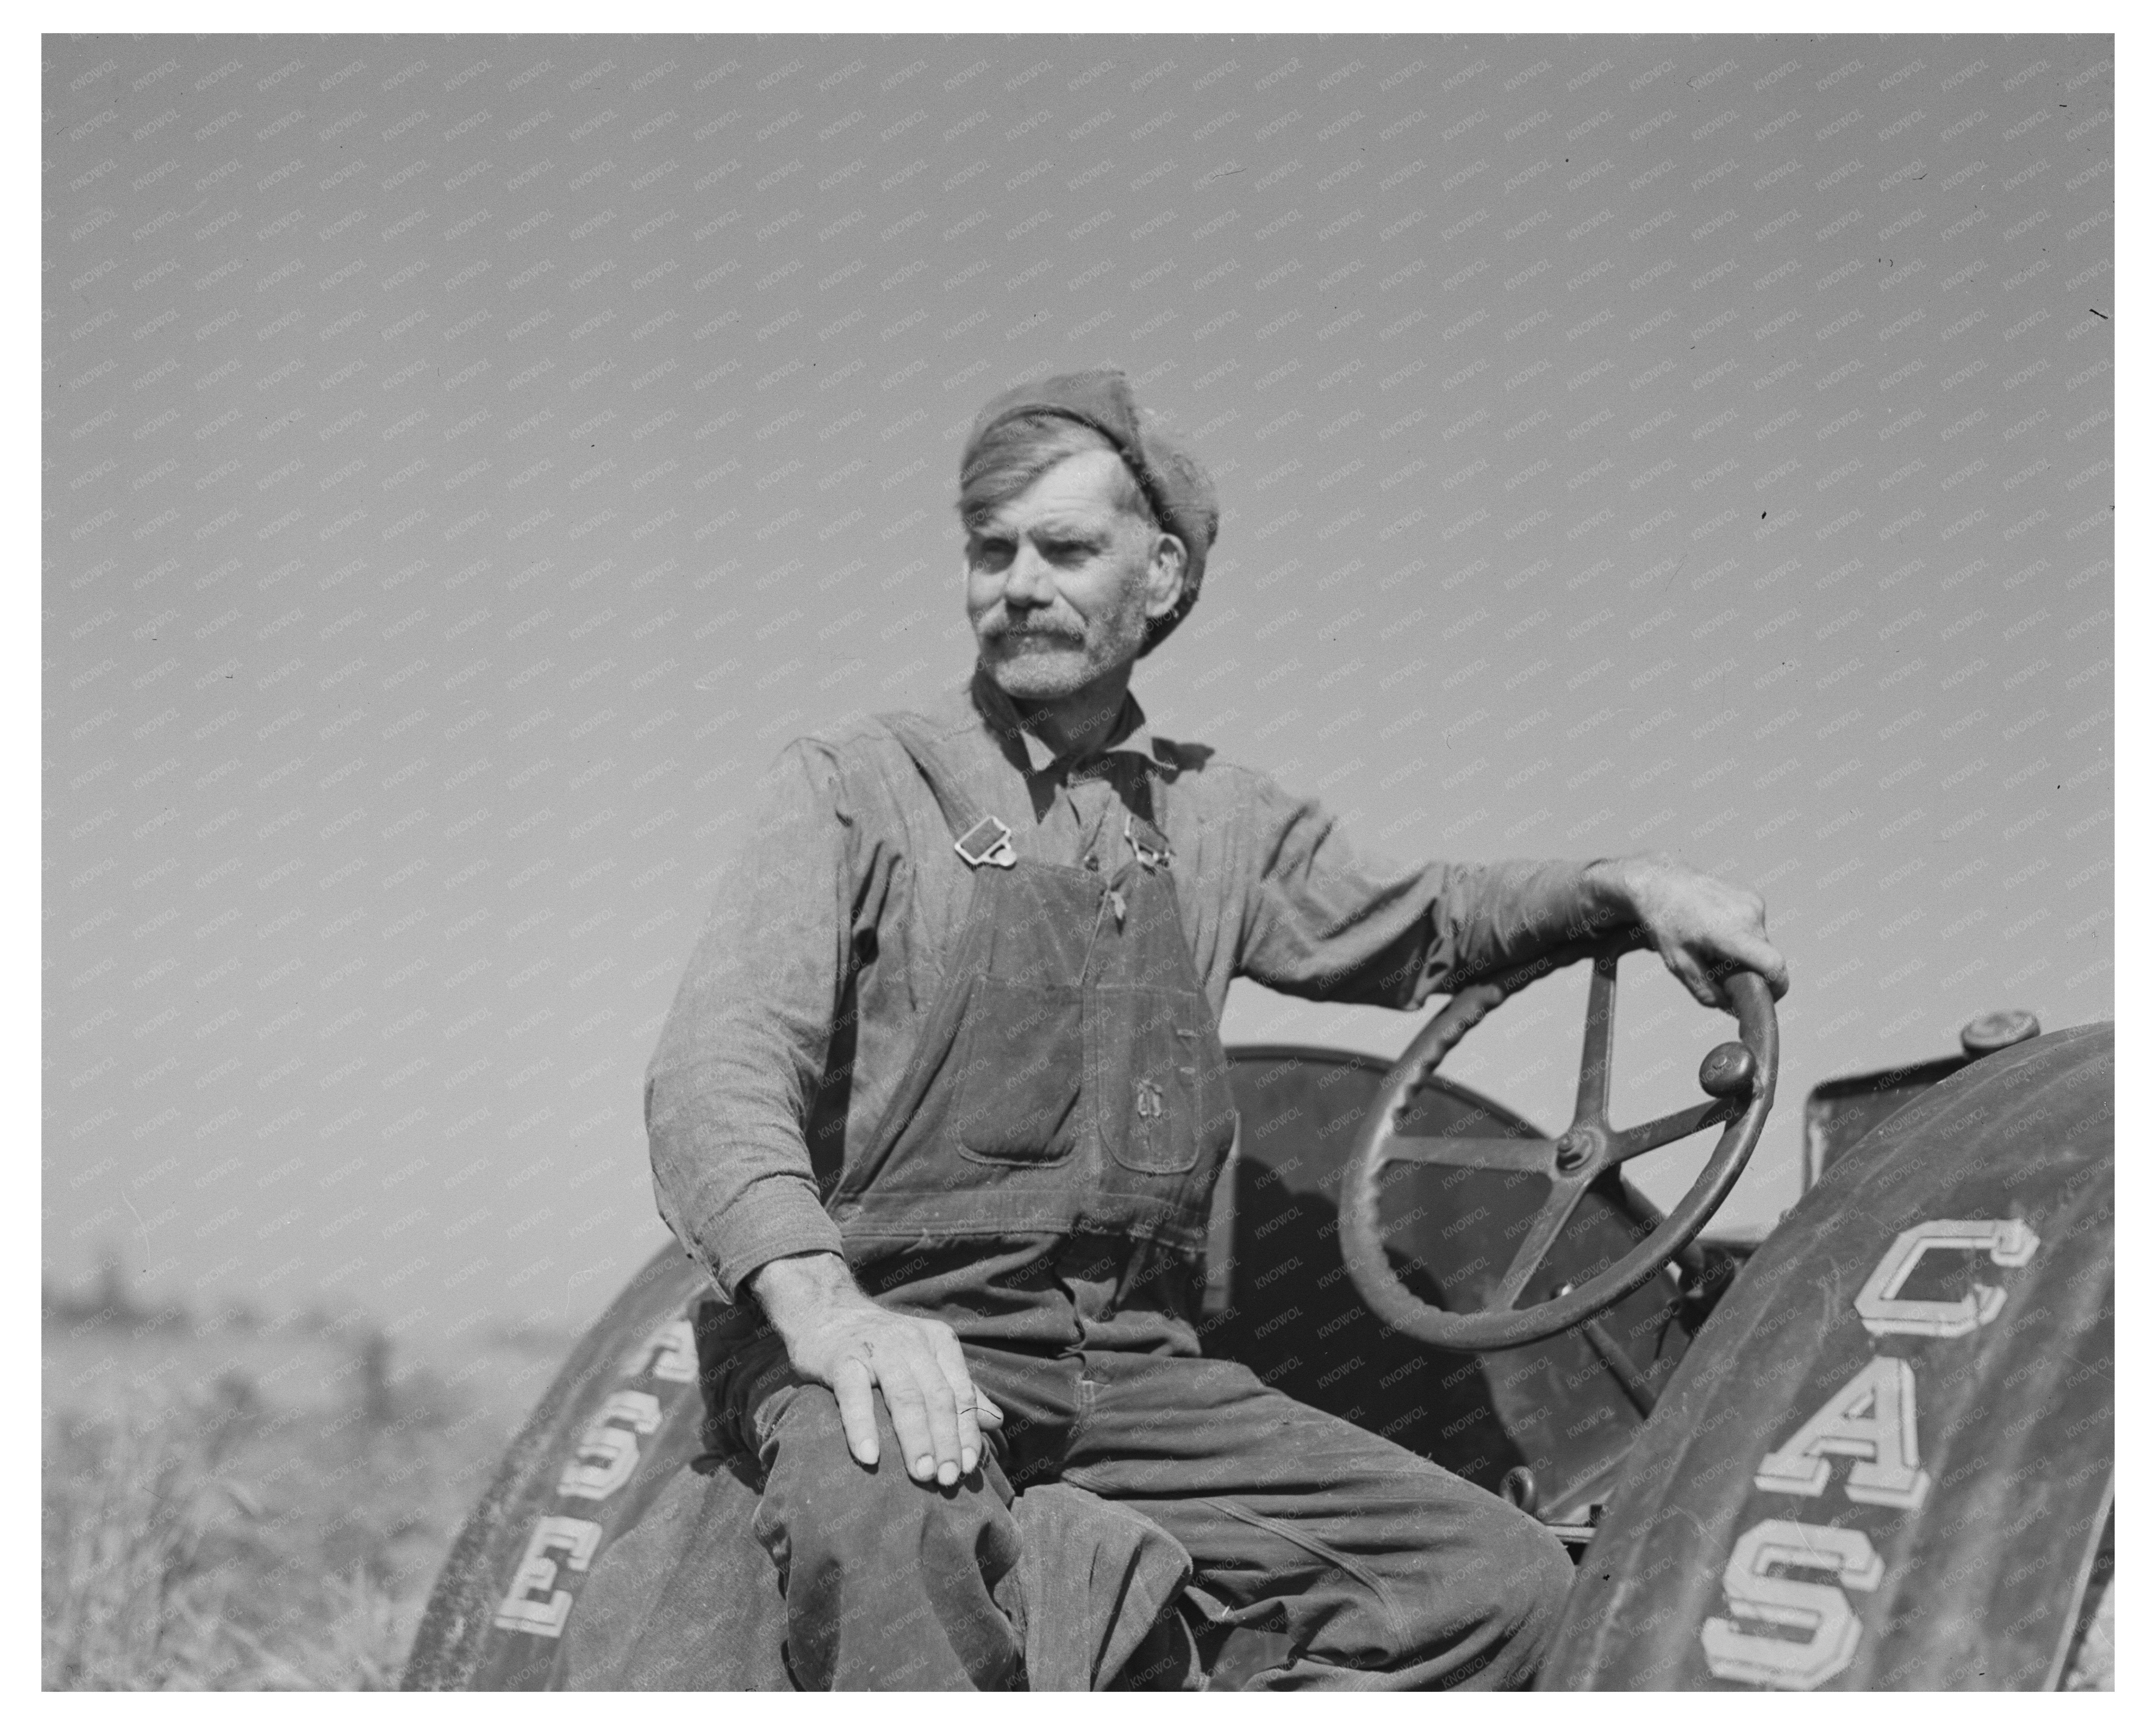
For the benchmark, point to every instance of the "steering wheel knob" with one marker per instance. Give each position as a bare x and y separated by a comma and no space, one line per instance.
1729,1070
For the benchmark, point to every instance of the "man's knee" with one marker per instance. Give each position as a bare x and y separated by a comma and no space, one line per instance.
816,1495
1486,1601
1508,1594
890,1583
1542,1576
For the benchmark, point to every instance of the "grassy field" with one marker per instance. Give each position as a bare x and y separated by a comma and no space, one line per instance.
237,1502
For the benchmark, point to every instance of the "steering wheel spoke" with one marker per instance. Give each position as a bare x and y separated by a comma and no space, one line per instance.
1549,1222
1597,1044
1637,1140
1739,1078
1508,1156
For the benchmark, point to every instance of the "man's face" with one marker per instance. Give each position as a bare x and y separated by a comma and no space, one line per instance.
1061,581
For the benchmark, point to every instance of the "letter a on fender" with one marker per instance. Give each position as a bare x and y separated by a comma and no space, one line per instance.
1872,1417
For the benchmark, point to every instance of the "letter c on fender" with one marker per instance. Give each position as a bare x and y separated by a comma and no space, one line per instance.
2010,1242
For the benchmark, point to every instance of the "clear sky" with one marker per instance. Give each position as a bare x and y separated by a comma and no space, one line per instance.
466,464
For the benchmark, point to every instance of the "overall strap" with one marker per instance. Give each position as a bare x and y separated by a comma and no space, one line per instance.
978,838
931,1061
1152,834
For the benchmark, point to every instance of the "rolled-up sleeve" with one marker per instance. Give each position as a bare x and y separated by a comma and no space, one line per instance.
1325,921
743,1047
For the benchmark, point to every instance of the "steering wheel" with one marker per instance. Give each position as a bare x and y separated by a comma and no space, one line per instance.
1738,1077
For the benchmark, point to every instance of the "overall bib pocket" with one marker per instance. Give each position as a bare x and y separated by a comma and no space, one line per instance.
1020,1055
1157,1094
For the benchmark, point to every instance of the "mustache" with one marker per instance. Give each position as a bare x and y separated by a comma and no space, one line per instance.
1033,632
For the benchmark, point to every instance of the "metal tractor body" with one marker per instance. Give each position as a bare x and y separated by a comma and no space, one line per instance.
1872,1451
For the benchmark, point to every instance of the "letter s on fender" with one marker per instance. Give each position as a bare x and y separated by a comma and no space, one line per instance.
1819,1609
669,1353
606,1453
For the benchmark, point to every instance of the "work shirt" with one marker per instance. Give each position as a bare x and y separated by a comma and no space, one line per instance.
824,953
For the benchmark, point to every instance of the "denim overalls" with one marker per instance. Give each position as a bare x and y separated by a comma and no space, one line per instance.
1069,1078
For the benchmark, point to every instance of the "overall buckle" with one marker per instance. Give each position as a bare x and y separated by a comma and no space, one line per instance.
987,840
1147,855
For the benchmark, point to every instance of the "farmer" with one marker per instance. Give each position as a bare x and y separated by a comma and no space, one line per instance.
942,1095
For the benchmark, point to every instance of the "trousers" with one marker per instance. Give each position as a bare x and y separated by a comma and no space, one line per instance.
1370,1568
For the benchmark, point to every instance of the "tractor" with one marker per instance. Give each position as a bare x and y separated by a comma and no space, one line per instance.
1872,1450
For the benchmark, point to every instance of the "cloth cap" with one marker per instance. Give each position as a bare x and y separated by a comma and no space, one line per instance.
1179,488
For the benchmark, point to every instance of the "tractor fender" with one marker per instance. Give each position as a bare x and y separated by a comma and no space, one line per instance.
1887,1461
622,1417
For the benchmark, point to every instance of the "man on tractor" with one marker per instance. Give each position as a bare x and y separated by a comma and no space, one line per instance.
942,1096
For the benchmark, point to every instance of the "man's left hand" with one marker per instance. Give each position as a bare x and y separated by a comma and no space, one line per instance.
1704,928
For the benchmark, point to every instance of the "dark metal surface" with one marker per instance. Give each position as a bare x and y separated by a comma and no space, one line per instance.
1990,1359
461,1643
1841,1113
1294,1316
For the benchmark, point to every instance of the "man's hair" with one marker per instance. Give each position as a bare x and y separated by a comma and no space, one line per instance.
1017,452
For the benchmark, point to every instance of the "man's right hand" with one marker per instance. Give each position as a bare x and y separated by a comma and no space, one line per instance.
837,1336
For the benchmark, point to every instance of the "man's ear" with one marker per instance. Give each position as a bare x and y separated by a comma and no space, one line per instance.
1164,575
